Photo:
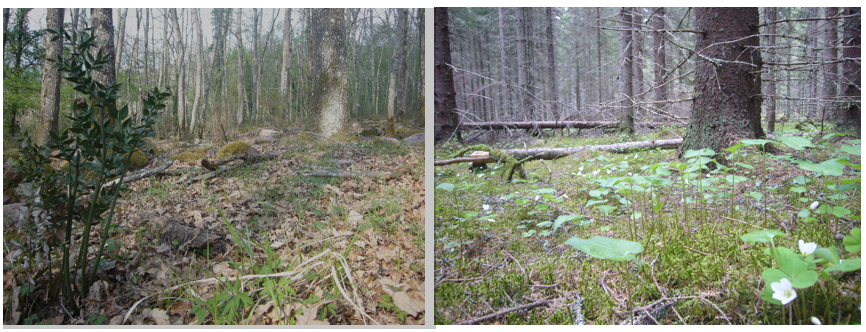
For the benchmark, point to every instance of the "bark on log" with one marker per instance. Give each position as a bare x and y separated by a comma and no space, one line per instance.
554,124
479,160
142,175
552,154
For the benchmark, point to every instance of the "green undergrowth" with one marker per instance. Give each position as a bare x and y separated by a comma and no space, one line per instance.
500,245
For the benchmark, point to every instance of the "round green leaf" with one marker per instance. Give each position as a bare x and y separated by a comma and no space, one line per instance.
762,236
607,248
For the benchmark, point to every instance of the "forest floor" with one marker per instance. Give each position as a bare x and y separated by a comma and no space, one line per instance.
293,248
505,253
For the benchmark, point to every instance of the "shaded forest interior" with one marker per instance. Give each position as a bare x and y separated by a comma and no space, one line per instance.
611,64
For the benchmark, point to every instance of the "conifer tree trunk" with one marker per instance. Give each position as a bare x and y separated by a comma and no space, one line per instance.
660,62
445,119
771,72
626,55
849,113
830,66
241,97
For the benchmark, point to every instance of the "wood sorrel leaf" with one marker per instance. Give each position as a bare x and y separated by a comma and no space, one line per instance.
852,242
762,236
607,248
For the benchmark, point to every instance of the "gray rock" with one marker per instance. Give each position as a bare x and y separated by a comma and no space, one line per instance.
414,139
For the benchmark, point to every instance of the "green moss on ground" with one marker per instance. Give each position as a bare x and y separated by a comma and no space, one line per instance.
187,156
232,149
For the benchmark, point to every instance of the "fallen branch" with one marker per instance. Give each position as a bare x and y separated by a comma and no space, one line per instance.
142,175
504,312
321,171
480,160
554,124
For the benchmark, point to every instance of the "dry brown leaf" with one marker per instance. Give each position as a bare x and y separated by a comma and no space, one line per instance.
355,218
180,308
407,303
308,316
224,270
159,316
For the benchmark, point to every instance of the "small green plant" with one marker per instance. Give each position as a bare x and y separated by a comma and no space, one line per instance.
387,303
99,142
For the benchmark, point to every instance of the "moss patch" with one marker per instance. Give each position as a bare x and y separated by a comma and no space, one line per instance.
232,149
11,153
187,156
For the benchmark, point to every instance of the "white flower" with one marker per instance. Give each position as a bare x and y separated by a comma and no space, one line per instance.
608,171
708,175
580,168
814,205
487,208
816,321
807,248
783,291
537,197
629,173
564,196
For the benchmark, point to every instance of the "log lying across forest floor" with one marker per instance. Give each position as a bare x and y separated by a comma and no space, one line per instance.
552,153
555,124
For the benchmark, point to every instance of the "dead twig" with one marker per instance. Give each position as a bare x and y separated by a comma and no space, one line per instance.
504,312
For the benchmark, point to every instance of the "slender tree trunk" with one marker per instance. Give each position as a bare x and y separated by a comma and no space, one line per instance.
6,14
145,79
254,84
50,96
598,52
241,97
330,76
119,43
771,71
637,58
134,101
523,64
179,53
660,65
505,91
727,103
551,65
287,59
577,65
199,70
421,70
830,66
403,27
814,73
626,56
444,103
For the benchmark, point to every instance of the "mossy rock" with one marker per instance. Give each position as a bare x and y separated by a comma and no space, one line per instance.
187,156
151,147
138,160
12,153
232,149
375,131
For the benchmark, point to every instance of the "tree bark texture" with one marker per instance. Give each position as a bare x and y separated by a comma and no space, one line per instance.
851,89
522,63
121,24
287,59
626,61
551,65
179,53
241,97
50,95
445,118
403,27
830,66
727,98
771,71
329,70
103,30
660,63
199,70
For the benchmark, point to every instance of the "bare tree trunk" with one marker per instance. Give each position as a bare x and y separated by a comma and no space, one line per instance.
330,70
163,62
522,64
577,65
134,101
551,63
598,51
813,56
241,81
119,43
179,53
199,69
50,95
403,27
830,66
287,59
771,72
728,90
660,65
849,115
505,90
421,71
444,103
6,15
626,60
144,80
104,33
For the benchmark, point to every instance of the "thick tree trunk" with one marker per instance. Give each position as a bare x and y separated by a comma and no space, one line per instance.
626,61
50,96
771,71
287,59
329,70
660,65
851,90
104,33
445,118
6,15
241,97
727,102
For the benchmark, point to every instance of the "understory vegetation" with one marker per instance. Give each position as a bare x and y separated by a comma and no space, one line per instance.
646,238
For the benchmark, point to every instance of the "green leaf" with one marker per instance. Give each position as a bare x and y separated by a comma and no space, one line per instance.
607,248
546,191
544,224
762,236
840,211
830,167
804,213
830,254
855,150
846,265
795,142
734,148
755,141
446,186
798,189
852,241
701,152
529,233
594,202
564,219
606,209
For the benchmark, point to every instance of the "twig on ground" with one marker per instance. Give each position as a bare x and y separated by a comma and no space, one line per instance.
504,312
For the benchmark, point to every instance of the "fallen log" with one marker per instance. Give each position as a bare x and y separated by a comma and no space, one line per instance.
552,154
554,124
246,157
